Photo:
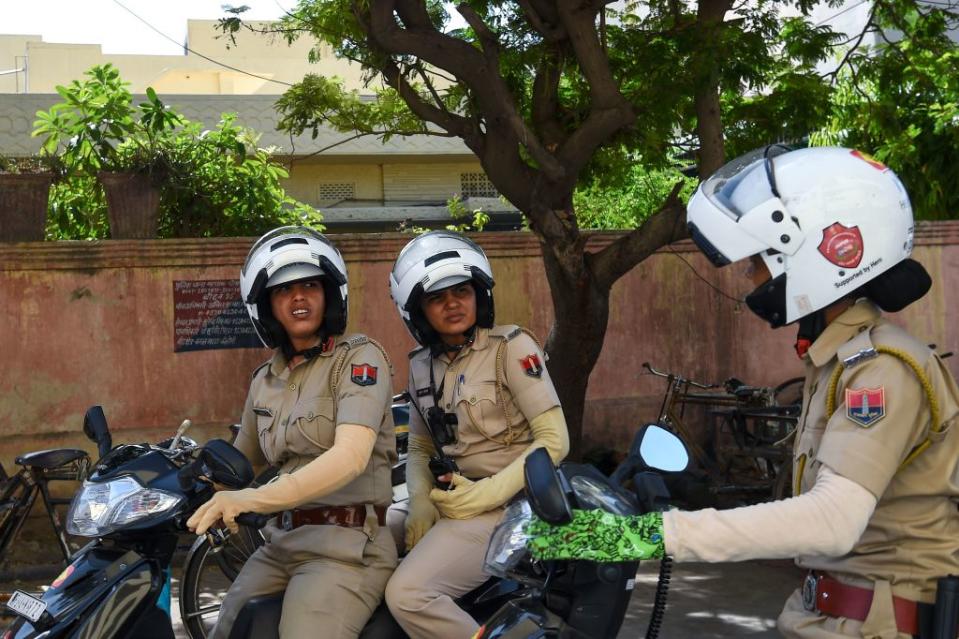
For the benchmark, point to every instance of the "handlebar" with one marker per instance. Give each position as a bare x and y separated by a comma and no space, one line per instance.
681,380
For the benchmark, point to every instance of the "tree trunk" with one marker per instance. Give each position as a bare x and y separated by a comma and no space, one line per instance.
581,311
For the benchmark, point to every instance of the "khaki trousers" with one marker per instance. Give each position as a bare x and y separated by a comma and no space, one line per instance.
795,622
333,578
447,563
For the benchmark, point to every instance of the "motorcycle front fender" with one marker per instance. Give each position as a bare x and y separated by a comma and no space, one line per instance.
103,593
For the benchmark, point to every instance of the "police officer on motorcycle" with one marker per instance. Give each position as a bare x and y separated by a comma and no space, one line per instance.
828,233
484,398
319,409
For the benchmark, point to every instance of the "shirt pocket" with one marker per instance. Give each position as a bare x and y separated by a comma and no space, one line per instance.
484,414
310,430
265,419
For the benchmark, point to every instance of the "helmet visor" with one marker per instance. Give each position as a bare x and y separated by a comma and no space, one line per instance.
728,215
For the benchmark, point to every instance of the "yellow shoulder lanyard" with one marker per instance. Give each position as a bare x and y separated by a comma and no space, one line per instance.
924,381
909,361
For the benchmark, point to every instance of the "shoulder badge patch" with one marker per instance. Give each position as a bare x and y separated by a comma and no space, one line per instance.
532,365
363,374
866,406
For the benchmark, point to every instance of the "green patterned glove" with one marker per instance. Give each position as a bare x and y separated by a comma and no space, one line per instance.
596,535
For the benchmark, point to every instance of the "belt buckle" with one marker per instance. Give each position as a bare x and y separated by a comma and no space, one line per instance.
809,587
286,520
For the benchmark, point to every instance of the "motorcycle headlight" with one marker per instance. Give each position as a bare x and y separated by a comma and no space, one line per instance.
507,546
591,493
102,507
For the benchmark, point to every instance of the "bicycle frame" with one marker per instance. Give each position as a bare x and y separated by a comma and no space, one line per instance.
19,494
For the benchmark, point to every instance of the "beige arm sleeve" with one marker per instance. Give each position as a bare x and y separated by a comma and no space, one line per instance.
419,479
840,508
349,456
549,432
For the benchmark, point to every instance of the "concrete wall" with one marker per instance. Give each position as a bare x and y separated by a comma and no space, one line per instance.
53,63
92,322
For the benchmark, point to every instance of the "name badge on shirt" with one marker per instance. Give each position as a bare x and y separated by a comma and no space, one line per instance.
262,412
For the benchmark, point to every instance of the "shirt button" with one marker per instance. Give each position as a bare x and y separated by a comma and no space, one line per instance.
310,416
447,406
473,399
292,387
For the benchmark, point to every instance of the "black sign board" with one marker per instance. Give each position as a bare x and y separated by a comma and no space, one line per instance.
209,314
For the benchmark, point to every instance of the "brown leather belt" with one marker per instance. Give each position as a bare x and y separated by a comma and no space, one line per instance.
822,593
346,516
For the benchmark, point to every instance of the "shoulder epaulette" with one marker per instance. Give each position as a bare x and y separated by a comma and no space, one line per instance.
352,341
416,351
857,350
506,331
260,367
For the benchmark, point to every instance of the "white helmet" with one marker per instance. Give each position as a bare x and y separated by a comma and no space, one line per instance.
289,254
434,261
824,220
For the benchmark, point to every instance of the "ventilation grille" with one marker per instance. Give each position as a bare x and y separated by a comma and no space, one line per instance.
477,185
337,191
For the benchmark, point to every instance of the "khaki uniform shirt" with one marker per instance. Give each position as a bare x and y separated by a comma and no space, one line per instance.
913,536
487,438
291,416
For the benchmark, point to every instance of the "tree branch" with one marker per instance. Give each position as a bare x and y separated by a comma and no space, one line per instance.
487,37
549,32
662,228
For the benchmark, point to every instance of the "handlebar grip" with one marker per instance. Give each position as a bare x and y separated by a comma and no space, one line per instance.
254,520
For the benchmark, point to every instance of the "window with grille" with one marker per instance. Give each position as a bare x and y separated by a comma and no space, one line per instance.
477,185
337,191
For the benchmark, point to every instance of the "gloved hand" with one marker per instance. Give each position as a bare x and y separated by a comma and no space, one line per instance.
596,535
419,520
225,505
467,498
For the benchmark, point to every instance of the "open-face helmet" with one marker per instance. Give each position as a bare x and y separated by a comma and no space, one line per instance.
291,254
435,261
827,222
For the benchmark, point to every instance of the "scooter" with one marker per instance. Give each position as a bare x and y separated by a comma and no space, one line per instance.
580,598
529,599
133,505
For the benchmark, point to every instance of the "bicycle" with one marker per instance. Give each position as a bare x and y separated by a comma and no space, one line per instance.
748,456
19,492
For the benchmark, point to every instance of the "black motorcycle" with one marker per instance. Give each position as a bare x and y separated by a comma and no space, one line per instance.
134,505
580,598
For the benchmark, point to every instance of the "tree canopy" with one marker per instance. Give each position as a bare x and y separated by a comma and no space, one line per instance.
558,95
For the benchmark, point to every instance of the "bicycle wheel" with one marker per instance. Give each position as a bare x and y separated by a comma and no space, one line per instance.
208,575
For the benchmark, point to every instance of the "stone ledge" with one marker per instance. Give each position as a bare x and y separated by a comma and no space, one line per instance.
366,247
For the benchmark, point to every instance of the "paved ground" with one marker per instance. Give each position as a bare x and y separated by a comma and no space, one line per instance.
706,601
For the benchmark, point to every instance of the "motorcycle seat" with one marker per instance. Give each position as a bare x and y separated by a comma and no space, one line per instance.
260,618
50,459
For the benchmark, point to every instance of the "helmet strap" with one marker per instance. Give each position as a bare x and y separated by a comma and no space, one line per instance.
439,347
810,328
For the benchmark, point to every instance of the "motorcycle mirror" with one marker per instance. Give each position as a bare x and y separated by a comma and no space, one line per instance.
544,489
660,449
96,429
226,465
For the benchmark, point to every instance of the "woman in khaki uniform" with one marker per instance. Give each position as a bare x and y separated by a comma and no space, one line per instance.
319,409
874,522
489,401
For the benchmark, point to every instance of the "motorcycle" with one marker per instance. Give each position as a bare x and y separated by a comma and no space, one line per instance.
133,505
525,598
580,598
